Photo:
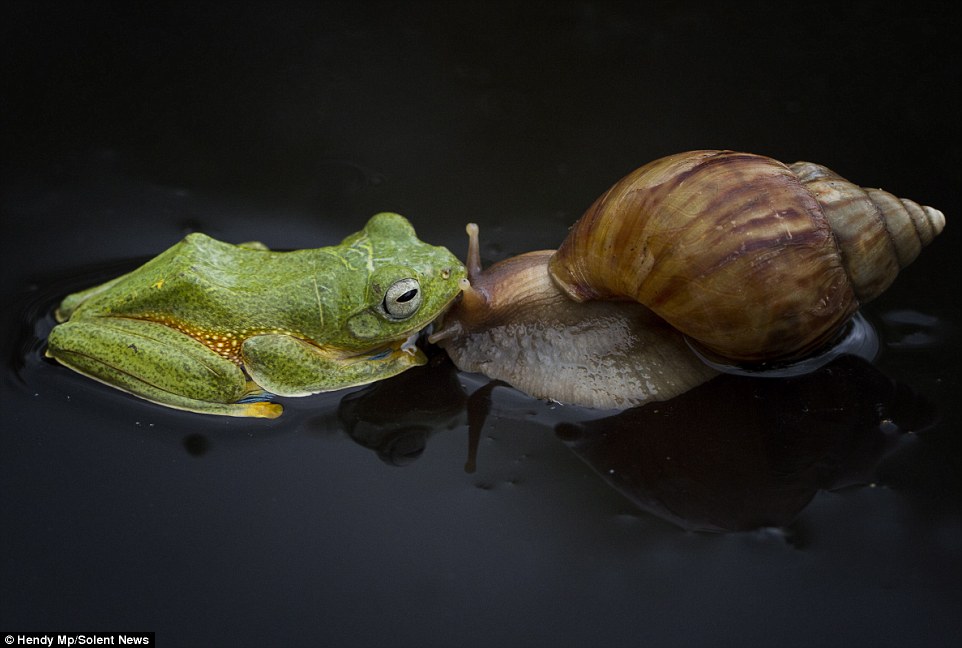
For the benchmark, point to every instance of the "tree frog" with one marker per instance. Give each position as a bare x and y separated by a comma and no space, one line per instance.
215,328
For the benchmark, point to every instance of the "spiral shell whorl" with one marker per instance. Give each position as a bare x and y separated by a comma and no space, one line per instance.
877,233
755,260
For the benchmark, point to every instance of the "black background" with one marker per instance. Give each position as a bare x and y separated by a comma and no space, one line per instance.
127,125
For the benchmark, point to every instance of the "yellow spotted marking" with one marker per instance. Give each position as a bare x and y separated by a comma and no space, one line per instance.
224,343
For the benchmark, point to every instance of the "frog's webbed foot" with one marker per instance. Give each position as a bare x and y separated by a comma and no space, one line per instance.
157,363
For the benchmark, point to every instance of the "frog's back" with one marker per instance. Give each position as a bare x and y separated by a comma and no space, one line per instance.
206,284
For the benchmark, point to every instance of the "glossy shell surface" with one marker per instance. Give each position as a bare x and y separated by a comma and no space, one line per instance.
749,257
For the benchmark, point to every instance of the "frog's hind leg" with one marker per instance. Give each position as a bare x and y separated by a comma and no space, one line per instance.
159,364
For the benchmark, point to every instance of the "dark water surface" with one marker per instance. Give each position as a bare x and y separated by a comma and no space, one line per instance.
435,509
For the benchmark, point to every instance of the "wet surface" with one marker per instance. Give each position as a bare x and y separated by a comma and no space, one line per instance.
436,508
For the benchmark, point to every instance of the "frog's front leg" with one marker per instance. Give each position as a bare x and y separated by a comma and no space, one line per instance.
157,363
289,366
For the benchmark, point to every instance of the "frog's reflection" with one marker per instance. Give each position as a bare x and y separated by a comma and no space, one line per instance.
736,453
395,417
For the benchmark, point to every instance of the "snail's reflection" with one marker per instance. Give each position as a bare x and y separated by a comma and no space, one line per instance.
741,453
736,453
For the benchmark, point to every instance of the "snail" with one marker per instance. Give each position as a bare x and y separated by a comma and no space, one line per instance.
747,259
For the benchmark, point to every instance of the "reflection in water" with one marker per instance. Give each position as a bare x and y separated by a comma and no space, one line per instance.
857,338
737,453
395,417
740,453
479,406
908,329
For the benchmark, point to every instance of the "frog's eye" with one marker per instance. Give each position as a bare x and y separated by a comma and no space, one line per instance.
402,299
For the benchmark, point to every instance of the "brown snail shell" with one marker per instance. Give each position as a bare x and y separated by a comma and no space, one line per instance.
755,260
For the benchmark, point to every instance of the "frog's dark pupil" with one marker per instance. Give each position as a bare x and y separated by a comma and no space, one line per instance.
408,296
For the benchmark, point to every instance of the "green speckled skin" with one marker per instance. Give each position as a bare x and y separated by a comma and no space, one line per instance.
207,326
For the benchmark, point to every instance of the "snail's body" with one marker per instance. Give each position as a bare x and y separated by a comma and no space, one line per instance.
604,354
751,259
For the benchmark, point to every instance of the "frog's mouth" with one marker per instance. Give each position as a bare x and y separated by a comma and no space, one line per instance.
406,348
406,345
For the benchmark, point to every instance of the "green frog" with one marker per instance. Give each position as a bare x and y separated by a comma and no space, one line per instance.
215,328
